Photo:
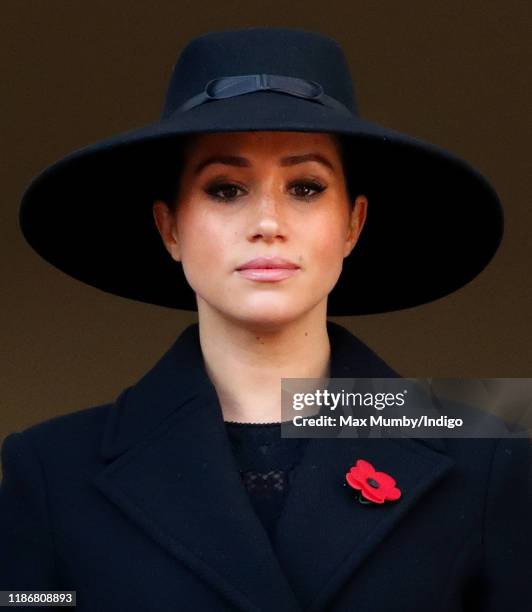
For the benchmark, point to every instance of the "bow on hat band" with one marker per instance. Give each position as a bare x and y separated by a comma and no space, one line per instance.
228,87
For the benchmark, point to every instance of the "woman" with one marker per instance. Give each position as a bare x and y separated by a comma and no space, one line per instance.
262,324
182,494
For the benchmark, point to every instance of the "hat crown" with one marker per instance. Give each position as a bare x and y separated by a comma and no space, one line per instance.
283,51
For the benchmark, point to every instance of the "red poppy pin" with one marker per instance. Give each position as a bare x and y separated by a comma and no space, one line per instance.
371,486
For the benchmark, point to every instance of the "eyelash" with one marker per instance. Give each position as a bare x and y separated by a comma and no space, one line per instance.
314,185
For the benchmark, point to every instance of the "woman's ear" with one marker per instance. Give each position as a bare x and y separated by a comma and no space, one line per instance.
356,223
166,224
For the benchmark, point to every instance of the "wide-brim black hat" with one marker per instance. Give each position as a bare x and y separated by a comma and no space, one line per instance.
433,221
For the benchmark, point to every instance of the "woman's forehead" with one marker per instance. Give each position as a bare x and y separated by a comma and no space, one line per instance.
273,142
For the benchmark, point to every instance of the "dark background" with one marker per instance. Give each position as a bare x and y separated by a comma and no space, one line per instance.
454,73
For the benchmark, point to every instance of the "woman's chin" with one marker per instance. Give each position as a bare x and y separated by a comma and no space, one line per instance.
262,312
267,313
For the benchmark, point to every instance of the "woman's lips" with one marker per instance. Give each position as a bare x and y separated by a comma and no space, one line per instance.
268,274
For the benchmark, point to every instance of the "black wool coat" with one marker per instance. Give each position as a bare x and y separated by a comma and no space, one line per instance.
137,505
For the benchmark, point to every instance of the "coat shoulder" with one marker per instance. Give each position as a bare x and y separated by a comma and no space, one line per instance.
79,421
74,434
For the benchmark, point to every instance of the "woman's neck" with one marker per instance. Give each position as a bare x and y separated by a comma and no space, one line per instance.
246,363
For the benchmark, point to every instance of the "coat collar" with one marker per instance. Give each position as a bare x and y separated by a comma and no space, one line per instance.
171,470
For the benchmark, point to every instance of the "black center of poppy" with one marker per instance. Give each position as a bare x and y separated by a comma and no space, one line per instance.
372,483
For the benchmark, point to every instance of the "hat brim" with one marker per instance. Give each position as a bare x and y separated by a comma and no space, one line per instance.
433,222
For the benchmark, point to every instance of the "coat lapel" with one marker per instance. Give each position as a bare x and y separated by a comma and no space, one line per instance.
174,475
172,472
323,534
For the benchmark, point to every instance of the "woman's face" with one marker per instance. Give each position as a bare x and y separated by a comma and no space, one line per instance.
244,195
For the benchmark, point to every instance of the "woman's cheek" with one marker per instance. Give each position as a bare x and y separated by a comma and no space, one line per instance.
329,256
328,249
203,241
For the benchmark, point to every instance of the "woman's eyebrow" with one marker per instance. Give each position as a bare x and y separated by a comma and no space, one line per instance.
243,162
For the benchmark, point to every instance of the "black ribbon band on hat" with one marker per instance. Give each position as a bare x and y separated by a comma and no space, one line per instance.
228,87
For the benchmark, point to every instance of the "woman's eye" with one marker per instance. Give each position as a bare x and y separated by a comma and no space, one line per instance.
304,187
229,191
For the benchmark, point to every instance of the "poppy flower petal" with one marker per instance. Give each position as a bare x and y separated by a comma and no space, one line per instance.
373,495
385,480
357,483
353,481
364,468
393,493
355,476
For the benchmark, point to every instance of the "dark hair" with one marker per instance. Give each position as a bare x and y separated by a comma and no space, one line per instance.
171,158
353,183
167,166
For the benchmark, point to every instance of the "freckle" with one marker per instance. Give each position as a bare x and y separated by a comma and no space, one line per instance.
306,333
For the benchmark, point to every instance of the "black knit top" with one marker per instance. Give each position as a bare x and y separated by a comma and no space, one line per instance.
266,463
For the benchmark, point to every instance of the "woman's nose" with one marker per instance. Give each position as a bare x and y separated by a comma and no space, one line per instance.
268,219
